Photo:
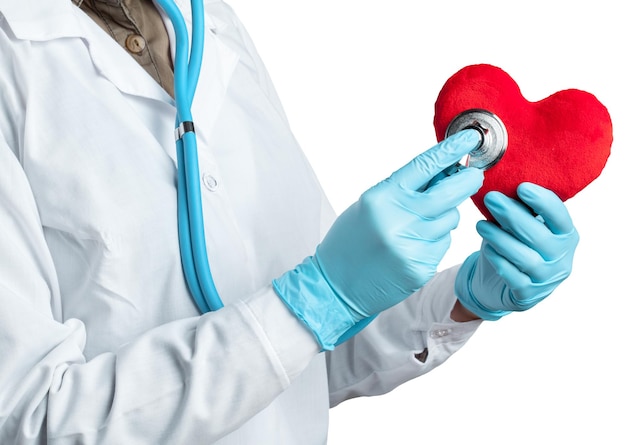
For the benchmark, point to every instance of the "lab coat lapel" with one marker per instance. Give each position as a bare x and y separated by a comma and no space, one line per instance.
44,20
39,20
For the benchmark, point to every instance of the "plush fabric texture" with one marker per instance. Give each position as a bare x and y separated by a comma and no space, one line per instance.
561,142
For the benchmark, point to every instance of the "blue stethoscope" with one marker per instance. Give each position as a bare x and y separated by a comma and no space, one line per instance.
187,64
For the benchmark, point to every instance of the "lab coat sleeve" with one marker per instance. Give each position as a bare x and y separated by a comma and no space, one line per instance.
408,340
189,381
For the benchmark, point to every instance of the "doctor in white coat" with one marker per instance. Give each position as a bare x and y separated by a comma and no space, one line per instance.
100,342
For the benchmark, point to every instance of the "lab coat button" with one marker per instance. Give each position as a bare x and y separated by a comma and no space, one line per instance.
209,182
135,43
438,333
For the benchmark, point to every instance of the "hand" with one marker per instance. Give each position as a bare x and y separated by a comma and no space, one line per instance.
524,259
385,246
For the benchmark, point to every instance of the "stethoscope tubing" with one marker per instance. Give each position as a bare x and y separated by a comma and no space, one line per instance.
187,63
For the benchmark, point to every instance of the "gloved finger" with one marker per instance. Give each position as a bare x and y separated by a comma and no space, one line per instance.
525,259
417,173
431,255
522,293
448,193
437,228
518,219
548,205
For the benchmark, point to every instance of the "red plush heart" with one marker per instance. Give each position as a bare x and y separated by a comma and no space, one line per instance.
561,142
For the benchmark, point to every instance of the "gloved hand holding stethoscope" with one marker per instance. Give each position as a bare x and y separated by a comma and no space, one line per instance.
385,246
390,242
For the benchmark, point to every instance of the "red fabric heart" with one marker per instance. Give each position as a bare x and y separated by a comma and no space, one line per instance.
561,142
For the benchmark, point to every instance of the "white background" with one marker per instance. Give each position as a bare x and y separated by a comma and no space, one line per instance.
359,80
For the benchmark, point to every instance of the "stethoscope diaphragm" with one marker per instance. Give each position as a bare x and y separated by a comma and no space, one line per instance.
494,138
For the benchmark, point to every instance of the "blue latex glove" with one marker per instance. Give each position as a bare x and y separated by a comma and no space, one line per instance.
521,262
385,246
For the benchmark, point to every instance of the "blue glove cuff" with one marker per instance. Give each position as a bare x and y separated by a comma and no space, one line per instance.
463,291
309,297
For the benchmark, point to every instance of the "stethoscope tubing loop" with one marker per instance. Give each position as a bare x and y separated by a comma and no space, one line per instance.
187,64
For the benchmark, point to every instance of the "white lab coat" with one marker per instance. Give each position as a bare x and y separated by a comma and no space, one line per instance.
99,339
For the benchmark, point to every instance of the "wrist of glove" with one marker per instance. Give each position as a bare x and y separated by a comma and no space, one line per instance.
384,247
470,287
310,297
523,258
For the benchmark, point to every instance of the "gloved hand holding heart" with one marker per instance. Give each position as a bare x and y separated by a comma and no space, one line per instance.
561,142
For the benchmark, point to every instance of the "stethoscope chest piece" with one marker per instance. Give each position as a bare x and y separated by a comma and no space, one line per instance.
493,134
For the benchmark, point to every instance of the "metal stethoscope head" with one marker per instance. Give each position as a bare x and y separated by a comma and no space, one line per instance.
494,137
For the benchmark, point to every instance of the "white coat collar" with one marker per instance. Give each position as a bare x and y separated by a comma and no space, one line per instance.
43,20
